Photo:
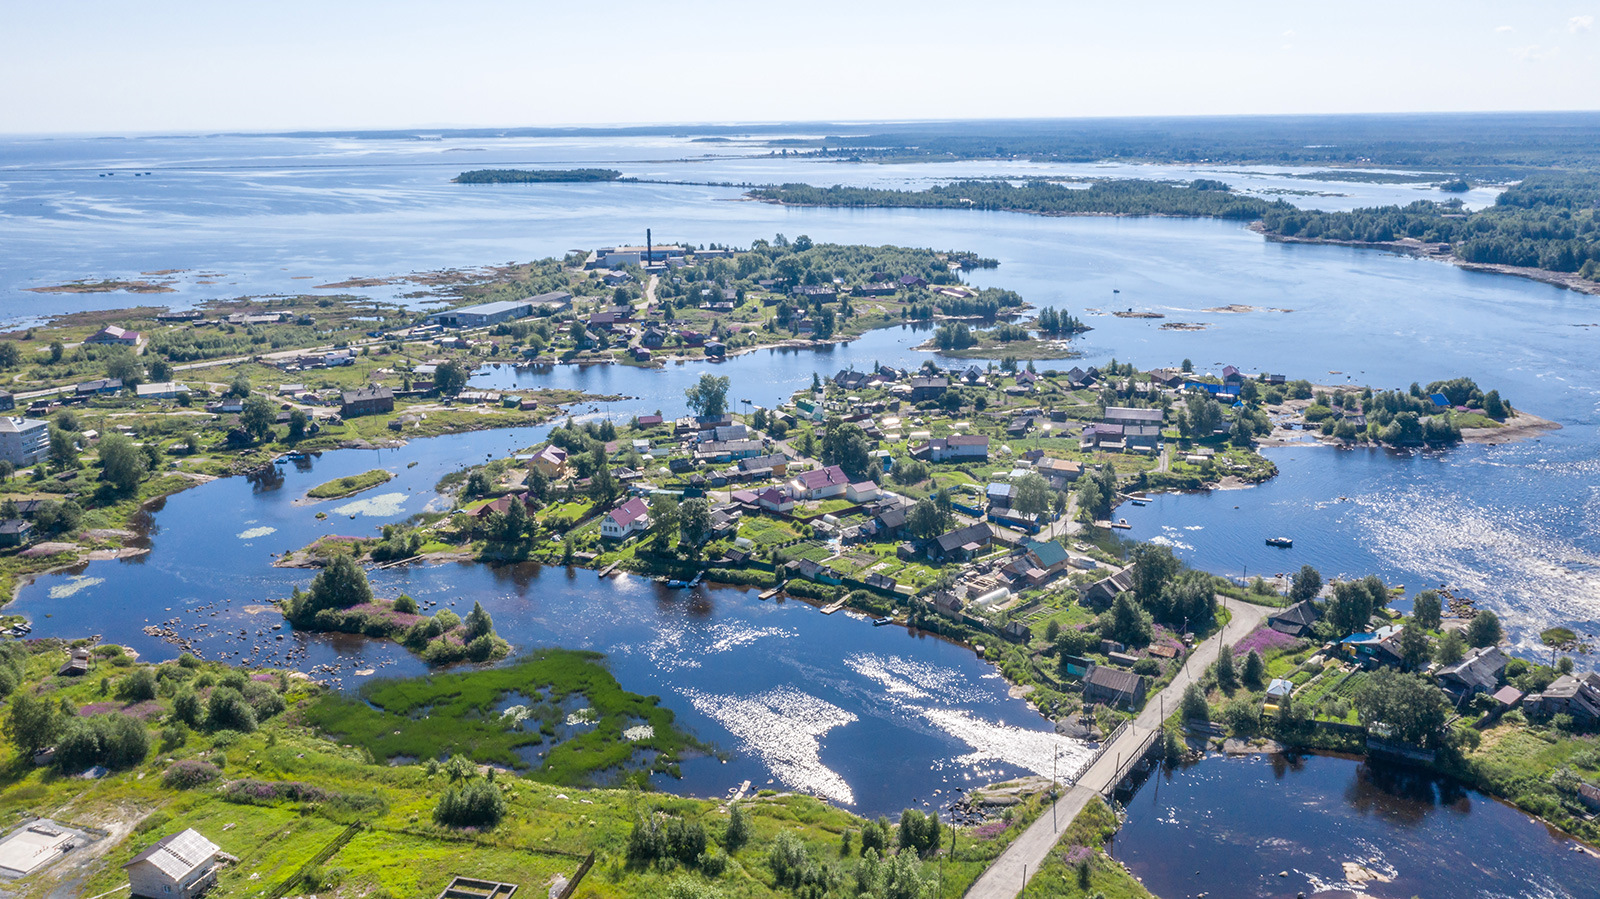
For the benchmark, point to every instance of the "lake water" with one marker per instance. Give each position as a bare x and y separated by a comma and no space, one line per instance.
1228,827
1517,528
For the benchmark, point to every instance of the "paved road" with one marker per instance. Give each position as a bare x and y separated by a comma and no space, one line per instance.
1009,873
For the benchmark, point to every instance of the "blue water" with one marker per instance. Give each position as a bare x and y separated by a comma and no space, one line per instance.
1516,527
1270,827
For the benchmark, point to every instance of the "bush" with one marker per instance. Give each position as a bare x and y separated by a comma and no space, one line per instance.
478,804
190,773
1242,715
264,701
1195,707
228,710
739,830
140,686
173,736
113,740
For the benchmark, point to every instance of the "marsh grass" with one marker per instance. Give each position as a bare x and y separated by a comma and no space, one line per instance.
460,713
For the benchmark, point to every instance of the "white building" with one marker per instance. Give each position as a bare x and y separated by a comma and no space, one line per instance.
632,517
23,441
161,390
180,866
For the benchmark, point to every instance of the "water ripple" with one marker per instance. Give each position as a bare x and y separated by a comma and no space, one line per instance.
783,727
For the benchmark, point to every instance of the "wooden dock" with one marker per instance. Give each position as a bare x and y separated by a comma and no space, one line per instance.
830,609
606,571
768,594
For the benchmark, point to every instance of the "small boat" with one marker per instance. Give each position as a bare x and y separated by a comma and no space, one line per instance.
880,622
1284,542
677,584
1121,523
1141,502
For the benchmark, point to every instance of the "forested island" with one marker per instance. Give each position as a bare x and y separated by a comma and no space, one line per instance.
1547,221
535,176
1490,144
1201,197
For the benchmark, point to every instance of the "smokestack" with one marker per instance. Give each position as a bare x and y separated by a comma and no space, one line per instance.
649,249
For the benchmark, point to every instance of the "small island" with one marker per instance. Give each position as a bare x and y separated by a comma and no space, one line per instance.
339,488
535,176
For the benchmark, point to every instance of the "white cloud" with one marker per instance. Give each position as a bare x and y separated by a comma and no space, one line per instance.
1289,35
1534,52
1505,28
1580,24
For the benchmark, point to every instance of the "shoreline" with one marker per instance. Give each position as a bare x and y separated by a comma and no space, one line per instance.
1412,247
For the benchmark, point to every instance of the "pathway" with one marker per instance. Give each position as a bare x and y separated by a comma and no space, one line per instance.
1006,877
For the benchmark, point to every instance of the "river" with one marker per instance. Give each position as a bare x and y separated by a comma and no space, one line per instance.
1273,827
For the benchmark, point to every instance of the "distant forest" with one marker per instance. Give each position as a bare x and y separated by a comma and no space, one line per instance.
534,176
1487,145
1121,197
1547,221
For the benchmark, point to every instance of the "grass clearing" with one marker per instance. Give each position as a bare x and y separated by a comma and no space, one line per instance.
339,488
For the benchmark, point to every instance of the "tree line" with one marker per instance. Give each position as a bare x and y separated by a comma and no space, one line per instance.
1112,197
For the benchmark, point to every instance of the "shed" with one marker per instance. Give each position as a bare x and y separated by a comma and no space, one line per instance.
1113,687
182,865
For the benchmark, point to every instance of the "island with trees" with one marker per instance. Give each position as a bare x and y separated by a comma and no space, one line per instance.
1200,197
536,176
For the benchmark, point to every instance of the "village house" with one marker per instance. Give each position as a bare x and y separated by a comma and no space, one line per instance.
1479,671
632,517
14,532
1140,427
1049,556
862,492
1059,473
960,544
819,483
727,450
774,500
180,866
99,387
928,388
550,461
913,281
947,603
773,465
824,293
1570,695
111,335
366,401
1376,649
875,289
1113,687
1103,592
1296,620
953,449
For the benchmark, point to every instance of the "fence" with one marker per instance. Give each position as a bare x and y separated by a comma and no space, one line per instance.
577,877
327,852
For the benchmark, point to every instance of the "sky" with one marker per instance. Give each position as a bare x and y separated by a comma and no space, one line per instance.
91,66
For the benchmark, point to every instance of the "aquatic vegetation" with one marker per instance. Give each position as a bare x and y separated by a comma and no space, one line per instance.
459,714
